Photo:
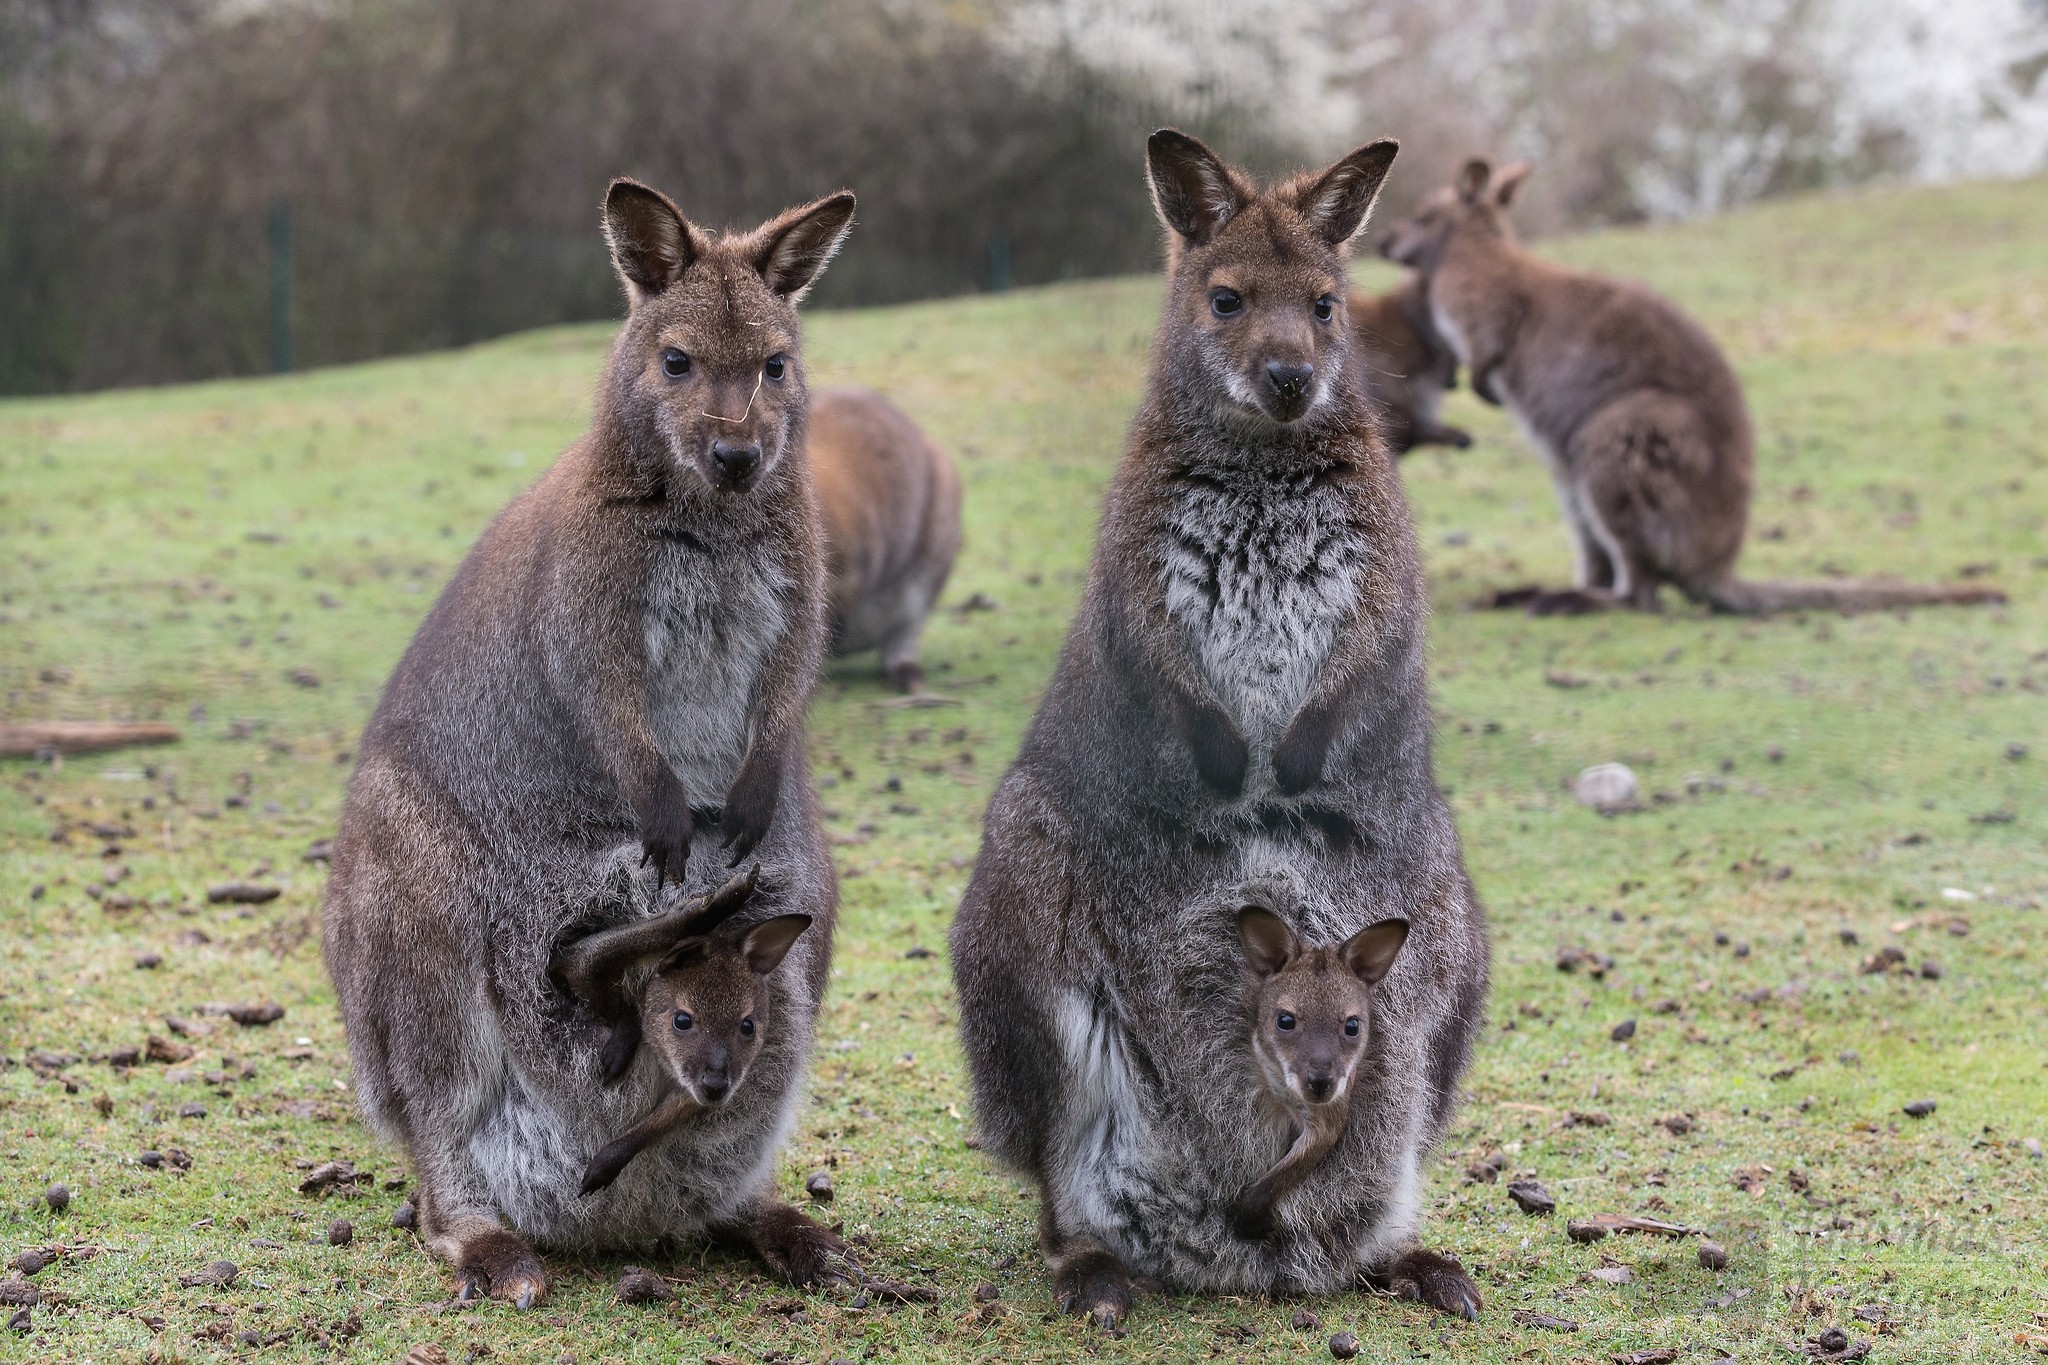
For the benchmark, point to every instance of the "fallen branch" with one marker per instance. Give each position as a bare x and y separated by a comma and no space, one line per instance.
36,739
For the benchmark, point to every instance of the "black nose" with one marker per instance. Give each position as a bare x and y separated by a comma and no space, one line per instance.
1289,381
713,1085
735,462
1320,1088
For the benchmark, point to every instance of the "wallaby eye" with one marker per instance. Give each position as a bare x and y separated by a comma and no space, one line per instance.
747,1027
775,366
683,1022
1326,307
1286,1022
1225,302
1351,1027
674,363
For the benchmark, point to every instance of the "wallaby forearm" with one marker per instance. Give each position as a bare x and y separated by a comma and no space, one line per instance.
613,1158
1147,631
1310,1146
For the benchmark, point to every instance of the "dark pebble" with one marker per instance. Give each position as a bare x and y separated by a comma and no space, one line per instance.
1720,938
148,961
1344,1346
340,1232
194,1110
404,1217
151,1158
1531,1198
1920,1109
1930,970
1623,1031
1848,937
59,1198
1713,1256
986,1292
818,1185
31,1262
1742,950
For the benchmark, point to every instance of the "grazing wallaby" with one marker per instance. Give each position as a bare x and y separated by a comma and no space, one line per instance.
1313,1024
1629,402
622,661
1241,707
696,988
1408,368
892,525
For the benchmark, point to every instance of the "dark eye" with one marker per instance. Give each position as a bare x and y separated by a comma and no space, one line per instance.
775,366
747,1027
1286,1022
1351,1027
683,1022
675,365
1325,307
1225,302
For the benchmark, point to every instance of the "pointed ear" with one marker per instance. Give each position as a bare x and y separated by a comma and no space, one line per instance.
1472,179
1338,203
1192,190
1508,181
1371,951
651,241
768,942
1269,943
687,953
792,248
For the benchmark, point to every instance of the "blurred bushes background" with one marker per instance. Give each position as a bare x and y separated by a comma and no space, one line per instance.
441,161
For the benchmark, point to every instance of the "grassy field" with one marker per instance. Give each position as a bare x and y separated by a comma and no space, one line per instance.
249,559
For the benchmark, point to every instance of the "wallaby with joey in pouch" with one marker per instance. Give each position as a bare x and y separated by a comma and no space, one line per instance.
1635,411
891,500
1239,715
1309,1033
616,675
695,988
1407,366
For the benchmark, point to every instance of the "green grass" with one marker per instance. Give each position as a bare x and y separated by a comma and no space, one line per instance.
177,553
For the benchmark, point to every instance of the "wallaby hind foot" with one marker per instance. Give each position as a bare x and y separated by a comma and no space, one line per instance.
1088,1280
1541,601
1430,1278
489,1258
793,1245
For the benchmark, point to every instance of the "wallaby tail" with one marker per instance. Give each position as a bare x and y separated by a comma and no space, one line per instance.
1844,595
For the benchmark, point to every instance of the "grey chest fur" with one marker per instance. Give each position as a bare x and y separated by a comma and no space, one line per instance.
1259,572
711,625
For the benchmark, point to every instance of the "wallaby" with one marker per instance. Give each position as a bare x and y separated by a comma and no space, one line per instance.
892,525
1313,1025
1408,367
1241,703
622,661
1632,406
695,987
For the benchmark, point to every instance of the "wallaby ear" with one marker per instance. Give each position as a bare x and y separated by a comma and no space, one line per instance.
793,247
1269,942
768,942
686,953
1338,204
650,240
1371,951
1508,181
1472,179
1191,187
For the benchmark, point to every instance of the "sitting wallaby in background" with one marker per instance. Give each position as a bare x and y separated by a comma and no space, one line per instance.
1629,402
1242,696
1311,1029
892,525
624,658
1408,367
695,988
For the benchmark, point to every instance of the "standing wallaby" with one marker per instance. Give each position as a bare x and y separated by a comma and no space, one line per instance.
622,662
693,986
892,525
1632,406
1407,367
1311,1029
1240,715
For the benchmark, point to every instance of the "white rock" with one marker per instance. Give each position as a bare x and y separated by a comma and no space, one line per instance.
1606,787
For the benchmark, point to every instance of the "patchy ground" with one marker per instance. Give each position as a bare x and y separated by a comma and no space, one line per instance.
1713,1012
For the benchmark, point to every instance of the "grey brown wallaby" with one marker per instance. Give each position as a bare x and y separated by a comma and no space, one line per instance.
1311,1030
695,988
616,674
1407,366
1632,406
891,500
1240,716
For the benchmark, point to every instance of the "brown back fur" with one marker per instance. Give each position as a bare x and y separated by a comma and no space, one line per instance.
891,501
1637,414
1407,366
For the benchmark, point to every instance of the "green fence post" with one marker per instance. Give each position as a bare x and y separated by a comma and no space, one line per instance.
281,285
998,264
